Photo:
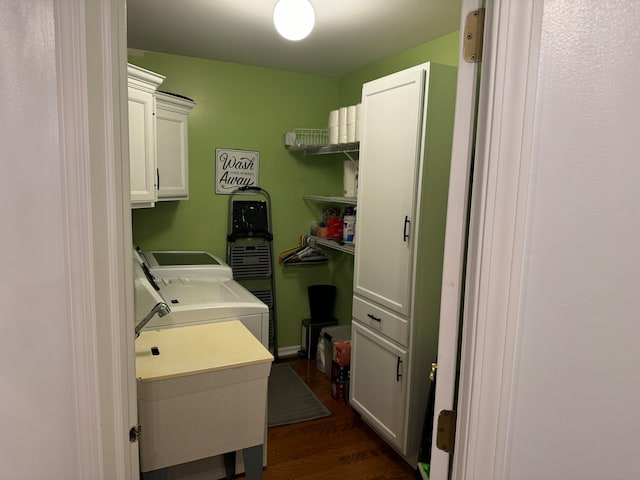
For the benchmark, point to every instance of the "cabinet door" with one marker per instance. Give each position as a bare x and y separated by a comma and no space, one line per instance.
387,184
378,383
142,147
172,150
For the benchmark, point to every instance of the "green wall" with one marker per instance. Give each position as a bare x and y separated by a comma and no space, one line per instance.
442,50
246,107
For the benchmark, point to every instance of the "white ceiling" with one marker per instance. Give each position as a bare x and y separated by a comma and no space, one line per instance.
348,33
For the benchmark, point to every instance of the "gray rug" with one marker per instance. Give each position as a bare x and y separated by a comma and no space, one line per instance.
290,400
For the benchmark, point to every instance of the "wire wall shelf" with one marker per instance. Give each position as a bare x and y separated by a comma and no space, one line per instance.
315,141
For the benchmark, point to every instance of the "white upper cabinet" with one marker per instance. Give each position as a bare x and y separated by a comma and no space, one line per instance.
390,154
172,114
142,135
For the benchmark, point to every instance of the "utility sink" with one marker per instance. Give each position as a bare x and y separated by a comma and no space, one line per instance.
202,391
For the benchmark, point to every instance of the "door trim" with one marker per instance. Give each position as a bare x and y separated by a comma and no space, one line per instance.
76,219
455,242
97,233
496,237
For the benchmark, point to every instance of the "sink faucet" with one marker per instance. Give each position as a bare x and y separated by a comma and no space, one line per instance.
160,308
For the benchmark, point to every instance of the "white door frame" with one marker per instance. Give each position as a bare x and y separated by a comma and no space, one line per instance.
455,241
91,72
496,236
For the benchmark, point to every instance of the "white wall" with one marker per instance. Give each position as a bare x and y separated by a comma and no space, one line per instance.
574,410
38,424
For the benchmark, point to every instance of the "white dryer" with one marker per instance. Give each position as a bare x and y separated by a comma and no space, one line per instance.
199,288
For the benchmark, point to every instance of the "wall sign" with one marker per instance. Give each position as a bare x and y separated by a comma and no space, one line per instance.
235,169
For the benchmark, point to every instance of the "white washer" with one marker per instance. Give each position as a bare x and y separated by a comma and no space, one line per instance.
199,288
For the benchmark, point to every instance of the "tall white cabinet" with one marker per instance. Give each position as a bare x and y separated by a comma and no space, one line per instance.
405,154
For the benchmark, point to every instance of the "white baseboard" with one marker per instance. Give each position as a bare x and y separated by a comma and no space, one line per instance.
291,351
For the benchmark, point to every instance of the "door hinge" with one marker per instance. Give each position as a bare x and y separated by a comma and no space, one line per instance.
473,34
446,433
432,374
134,433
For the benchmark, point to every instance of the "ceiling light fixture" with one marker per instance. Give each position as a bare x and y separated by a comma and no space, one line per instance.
294,19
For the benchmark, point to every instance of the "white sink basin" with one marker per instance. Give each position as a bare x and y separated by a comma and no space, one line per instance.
203,394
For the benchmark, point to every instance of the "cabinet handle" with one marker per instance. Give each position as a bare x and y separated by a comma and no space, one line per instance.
158,178
405,235
374,318
398,370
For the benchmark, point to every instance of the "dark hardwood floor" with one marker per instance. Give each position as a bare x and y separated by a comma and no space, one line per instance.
340,446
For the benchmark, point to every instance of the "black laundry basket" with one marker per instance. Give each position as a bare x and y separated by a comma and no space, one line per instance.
250,250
